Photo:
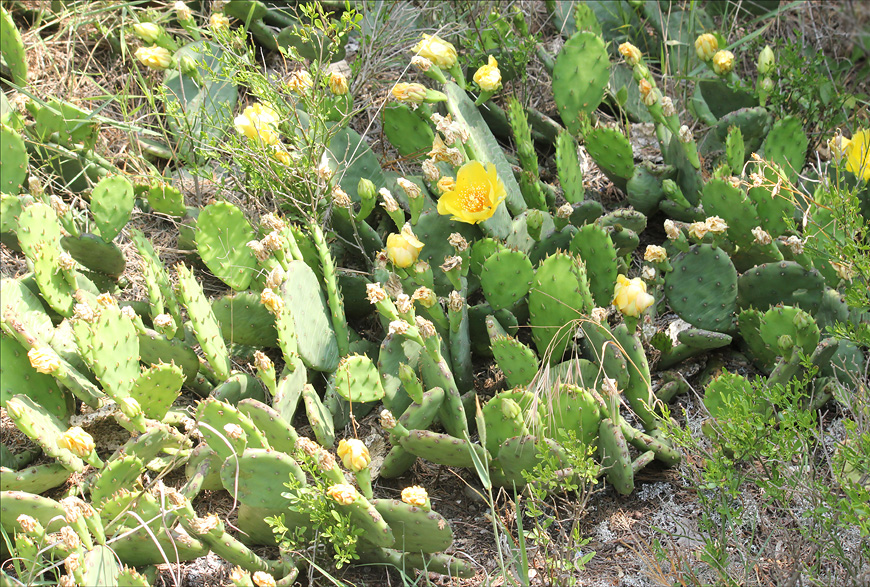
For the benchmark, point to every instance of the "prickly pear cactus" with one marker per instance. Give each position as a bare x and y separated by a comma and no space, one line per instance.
559,296
111,205
702,288
12,49
222,235
14,154
612,152
580,77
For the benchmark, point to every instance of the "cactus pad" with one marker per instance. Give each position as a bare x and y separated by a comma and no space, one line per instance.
784,283
580,76
222,234
612,152
415,530
305,301
505,278
559,295
702,288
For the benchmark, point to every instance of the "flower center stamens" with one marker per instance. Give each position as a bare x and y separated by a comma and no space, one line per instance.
474,199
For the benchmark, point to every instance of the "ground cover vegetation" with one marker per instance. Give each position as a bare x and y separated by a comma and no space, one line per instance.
434,293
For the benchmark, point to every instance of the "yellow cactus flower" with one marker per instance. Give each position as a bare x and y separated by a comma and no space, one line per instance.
630,296
446,184
300,81
283,156
343,493
706,46
273,302
43,359
154,57
630,53
404,248
655,254
218,21
354,454
263,579
477,194
436,50
257,122
338,83
413,93
857,154
76,440
488,77
723,62
415,495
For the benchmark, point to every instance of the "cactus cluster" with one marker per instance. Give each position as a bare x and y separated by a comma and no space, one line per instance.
476,260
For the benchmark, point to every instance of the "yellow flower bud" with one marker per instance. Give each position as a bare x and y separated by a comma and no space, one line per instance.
436,50
283,156
219,21
258,122
414,93
723,62
404,248
154,57
354,454
343,493
446,184
766,61
338,83
706,46
129,407
630,296
182,11
147,31
76,440
43,359
415,495
488,77
630,53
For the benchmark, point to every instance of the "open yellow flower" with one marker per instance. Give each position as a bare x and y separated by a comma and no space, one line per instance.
258,122
630,296
436,50
857,153
44,359
488,77
477,194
